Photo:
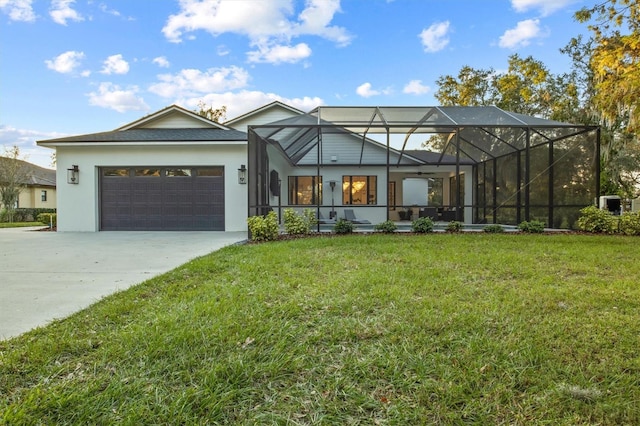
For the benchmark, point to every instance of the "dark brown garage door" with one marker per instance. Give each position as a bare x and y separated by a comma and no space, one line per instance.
162,199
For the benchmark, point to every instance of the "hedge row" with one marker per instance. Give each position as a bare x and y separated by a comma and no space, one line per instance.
24,214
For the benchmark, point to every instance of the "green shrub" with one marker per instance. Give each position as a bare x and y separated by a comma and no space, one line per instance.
23,214
493,229
343,226
532,227
629,223
299,223
263,228
593,219
48,219
30,214
454,226
388,227
422,225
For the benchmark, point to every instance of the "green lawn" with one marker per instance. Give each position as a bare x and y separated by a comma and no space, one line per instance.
20,224
363,329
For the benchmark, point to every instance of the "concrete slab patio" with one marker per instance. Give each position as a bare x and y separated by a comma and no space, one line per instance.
50,275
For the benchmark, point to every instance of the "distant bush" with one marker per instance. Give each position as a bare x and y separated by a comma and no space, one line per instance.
629,223
493,229
299,223
25,214
596,220
422,225
263,228
454,226
343,226
388,227
48,219
532,227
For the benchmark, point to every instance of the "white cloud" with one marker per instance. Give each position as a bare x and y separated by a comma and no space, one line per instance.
61,12
268,24
192,82
114,64
26,140
315,20
222,50
241,102
366,91
415,87
111,96
279,54
161,61
66,62
522,34
18,10
103,7
435,38
546,7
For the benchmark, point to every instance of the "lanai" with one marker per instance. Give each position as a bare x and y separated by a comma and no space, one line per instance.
521,167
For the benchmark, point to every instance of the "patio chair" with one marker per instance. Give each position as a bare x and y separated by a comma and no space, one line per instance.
448,215
430,212
324,221
351,217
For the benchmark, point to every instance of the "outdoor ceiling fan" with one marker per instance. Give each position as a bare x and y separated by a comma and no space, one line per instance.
421,173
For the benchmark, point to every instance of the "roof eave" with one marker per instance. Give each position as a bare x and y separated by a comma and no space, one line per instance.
139,143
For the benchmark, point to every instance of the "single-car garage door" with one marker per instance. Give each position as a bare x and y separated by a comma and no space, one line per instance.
162,198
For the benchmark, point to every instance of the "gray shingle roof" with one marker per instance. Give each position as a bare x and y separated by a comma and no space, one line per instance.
157,135
35,175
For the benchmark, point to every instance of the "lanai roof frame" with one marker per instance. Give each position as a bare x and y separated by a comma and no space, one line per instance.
504,134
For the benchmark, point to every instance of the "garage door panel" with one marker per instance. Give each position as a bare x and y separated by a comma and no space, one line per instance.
148,199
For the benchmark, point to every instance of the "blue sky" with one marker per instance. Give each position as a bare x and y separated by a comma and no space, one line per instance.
84,66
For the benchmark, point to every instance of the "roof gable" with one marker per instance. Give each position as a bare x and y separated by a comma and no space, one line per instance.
269,113
173,117
340,146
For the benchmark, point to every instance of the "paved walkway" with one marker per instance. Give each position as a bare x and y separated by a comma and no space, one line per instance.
50,275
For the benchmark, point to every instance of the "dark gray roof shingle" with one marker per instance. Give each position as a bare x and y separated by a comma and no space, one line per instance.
157,135
35,175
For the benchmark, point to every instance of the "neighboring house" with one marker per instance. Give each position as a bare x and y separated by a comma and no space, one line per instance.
39,187
175,170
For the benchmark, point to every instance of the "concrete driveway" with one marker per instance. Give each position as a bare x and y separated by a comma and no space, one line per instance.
50,275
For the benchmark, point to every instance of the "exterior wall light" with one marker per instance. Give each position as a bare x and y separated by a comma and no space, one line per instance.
242,175
73,175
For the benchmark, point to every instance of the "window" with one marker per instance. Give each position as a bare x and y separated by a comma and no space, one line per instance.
43,195
211,171
453,185
359,189
147,172
305,190
115,172
178,172
391,201
436,192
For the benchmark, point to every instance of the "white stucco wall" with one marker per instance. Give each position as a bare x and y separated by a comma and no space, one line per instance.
79,205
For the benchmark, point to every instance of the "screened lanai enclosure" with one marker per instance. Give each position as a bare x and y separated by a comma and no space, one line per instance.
470,164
